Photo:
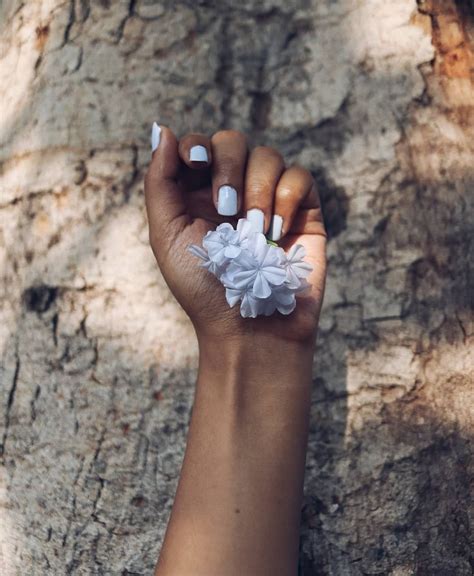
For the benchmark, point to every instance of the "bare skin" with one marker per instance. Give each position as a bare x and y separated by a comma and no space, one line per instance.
237,507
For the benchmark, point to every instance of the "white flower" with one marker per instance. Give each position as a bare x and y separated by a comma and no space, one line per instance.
296,268
258,266
255,273
222,243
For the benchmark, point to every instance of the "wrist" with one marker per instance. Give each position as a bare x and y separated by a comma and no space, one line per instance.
255,369
253,352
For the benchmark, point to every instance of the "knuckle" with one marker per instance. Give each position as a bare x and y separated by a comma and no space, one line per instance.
269,153
261,185
287,194
226,166
221,135
260,199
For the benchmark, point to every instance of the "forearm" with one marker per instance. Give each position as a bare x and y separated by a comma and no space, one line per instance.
237,508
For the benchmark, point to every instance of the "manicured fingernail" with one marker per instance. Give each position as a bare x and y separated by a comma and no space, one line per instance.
198,154
257,218
155,136
227,201
276,225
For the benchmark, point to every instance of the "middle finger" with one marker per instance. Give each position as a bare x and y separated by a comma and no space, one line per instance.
229,152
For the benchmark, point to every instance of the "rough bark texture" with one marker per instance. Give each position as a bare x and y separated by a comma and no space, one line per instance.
99,362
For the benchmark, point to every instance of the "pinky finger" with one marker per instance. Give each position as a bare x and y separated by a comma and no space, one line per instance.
296,204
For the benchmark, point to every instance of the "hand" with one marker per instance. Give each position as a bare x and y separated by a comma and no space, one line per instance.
183,203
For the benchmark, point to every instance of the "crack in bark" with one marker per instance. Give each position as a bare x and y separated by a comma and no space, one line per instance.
72,517
33,403
10,400
74,562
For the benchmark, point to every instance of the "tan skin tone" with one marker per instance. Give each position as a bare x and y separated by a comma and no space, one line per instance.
237,506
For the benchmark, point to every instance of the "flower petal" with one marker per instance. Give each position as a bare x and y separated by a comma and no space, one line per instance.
261,288
198,251
259,247
244,228
248,308
232,296
274,274
232,251
268,306
213,268
284,296
272,256
211,237
292,279
282,260
302,269
286,309
217,255
224,227
246,260
244,277
296,252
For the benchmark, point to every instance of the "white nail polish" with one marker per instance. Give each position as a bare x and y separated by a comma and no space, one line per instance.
155,136
227,201
276,225
198,154
257,218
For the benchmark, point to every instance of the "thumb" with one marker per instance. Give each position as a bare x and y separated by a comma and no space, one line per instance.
164,196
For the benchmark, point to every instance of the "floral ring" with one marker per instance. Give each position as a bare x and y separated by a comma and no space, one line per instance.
255,272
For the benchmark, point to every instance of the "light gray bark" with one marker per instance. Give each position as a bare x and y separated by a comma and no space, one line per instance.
99,362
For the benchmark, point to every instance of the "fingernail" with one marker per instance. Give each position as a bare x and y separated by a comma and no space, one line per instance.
227,201
155,136
276,225
198,154
257,218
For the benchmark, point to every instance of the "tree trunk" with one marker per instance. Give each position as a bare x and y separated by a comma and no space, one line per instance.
98,360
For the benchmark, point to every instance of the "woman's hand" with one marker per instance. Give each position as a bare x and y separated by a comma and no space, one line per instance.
185,198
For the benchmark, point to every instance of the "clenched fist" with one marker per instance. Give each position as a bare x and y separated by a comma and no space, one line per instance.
196,183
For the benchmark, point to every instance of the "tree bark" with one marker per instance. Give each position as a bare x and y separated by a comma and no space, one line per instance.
99,362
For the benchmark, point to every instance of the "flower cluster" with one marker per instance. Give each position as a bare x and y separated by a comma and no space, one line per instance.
258,274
